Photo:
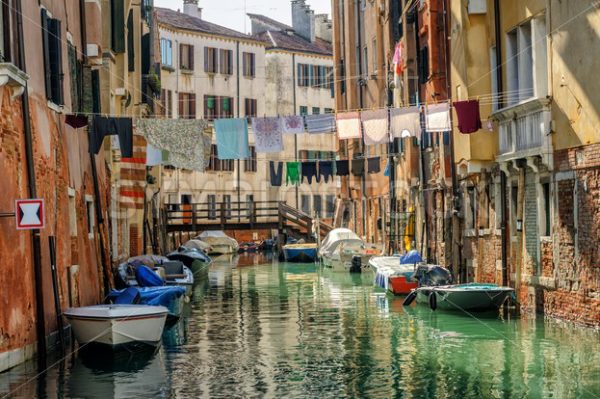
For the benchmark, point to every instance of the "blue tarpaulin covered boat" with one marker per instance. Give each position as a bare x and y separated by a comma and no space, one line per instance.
169,297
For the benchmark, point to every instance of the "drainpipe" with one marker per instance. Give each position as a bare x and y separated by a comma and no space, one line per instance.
361,105
293,113
503,187
32,192
239,195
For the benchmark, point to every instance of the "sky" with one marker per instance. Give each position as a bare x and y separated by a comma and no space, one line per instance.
231,14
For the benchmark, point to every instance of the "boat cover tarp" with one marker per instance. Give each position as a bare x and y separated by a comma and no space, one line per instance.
197,244
146,277
389,266
213,233
148,260
410,258
476,286
337,237
188,256
153,296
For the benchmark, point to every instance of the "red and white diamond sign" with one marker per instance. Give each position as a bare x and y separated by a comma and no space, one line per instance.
29,214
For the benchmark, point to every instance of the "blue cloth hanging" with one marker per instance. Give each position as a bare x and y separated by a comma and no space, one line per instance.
232,138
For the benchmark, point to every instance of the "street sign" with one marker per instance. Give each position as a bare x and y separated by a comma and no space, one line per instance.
29,214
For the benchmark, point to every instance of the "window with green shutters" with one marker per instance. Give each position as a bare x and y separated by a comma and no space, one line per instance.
52,45
117,17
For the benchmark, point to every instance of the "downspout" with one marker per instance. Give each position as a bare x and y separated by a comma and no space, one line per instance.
503,185
32,192
238,177
294,113
361,106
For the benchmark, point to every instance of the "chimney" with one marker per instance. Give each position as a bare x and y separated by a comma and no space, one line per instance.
323,27
190,7
303,19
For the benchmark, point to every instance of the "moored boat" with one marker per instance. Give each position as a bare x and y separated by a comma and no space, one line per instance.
393,276
117,325
341,247
300,253
173,273
170,297
248,247
197,244
220,243
194,259
464,297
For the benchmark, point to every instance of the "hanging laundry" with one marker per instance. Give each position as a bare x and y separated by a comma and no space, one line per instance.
405,122
292,124
467,112
374,165
437,118
276,173
399,63
187,148
232,138
342,168
309,170
375,126
358,167
325,170
292,175
348,125
207,136
267,135
76,121
317,124
103,127
154,156
386,171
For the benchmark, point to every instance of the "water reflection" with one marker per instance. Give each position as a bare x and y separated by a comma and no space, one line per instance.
294,330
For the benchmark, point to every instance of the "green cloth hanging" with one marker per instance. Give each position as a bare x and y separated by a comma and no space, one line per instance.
210,103
226,104
292,173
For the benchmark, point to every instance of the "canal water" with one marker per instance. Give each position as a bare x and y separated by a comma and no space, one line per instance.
259,328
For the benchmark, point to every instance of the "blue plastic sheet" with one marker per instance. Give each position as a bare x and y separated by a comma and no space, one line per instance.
146,277
153,296
410,258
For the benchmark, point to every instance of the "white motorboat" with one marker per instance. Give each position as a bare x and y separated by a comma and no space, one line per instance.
393,276
117,325
220,243
341,246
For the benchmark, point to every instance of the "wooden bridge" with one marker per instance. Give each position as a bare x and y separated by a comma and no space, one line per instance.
260,215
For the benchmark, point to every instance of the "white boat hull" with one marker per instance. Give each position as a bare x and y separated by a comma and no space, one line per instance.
122,327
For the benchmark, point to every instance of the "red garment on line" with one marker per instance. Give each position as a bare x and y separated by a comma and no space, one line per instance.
469,120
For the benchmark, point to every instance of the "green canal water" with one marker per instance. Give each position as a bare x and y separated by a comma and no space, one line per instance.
263,329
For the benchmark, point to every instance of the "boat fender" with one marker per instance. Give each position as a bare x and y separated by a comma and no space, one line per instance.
410,298
433,300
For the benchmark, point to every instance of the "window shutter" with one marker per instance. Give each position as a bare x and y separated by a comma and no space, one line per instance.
45,41
230,62
253,65
117,11
130,44
181,59
55,50
299,74
206,59
181,106
245,64
191,57
192,105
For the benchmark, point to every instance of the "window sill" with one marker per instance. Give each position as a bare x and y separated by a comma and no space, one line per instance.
470,233
167,68
59,109
14,78
249,77
186,71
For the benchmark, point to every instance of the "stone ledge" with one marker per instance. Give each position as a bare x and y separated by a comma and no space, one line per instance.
13,77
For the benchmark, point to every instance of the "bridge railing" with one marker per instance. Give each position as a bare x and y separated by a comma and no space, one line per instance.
301,220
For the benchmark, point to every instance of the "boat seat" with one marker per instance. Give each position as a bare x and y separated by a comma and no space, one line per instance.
173,267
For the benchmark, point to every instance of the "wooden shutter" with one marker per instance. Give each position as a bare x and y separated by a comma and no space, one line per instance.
182,63
192,106
180,110
230,62
253,65
191,57
117,11
299,74
245,64
130,44
206,59
55,51
46,55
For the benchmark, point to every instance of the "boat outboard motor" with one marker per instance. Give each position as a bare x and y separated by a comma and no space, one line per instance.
430,275
356,264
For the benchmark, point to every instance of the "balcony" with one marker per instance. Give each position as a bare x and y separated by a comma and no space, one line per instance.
14,78
524,130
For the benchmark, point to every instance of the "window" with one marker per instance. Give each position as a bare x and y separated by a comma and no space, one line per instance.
187,106
218,165
186,57
227,205
76,81
211,60
249,65
318,205
250,107
212,206
130,43
304,75
250,164
316,76
316,110
52,42
226,62
216,107
546,221
305,204
4,32
91,217
250,204
365,61
166,98
166,51
117,18
330,206
328,110
424,65
303,110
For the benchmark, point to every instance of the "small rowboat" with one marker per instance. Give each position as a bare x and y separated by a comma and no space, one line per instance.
300,253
